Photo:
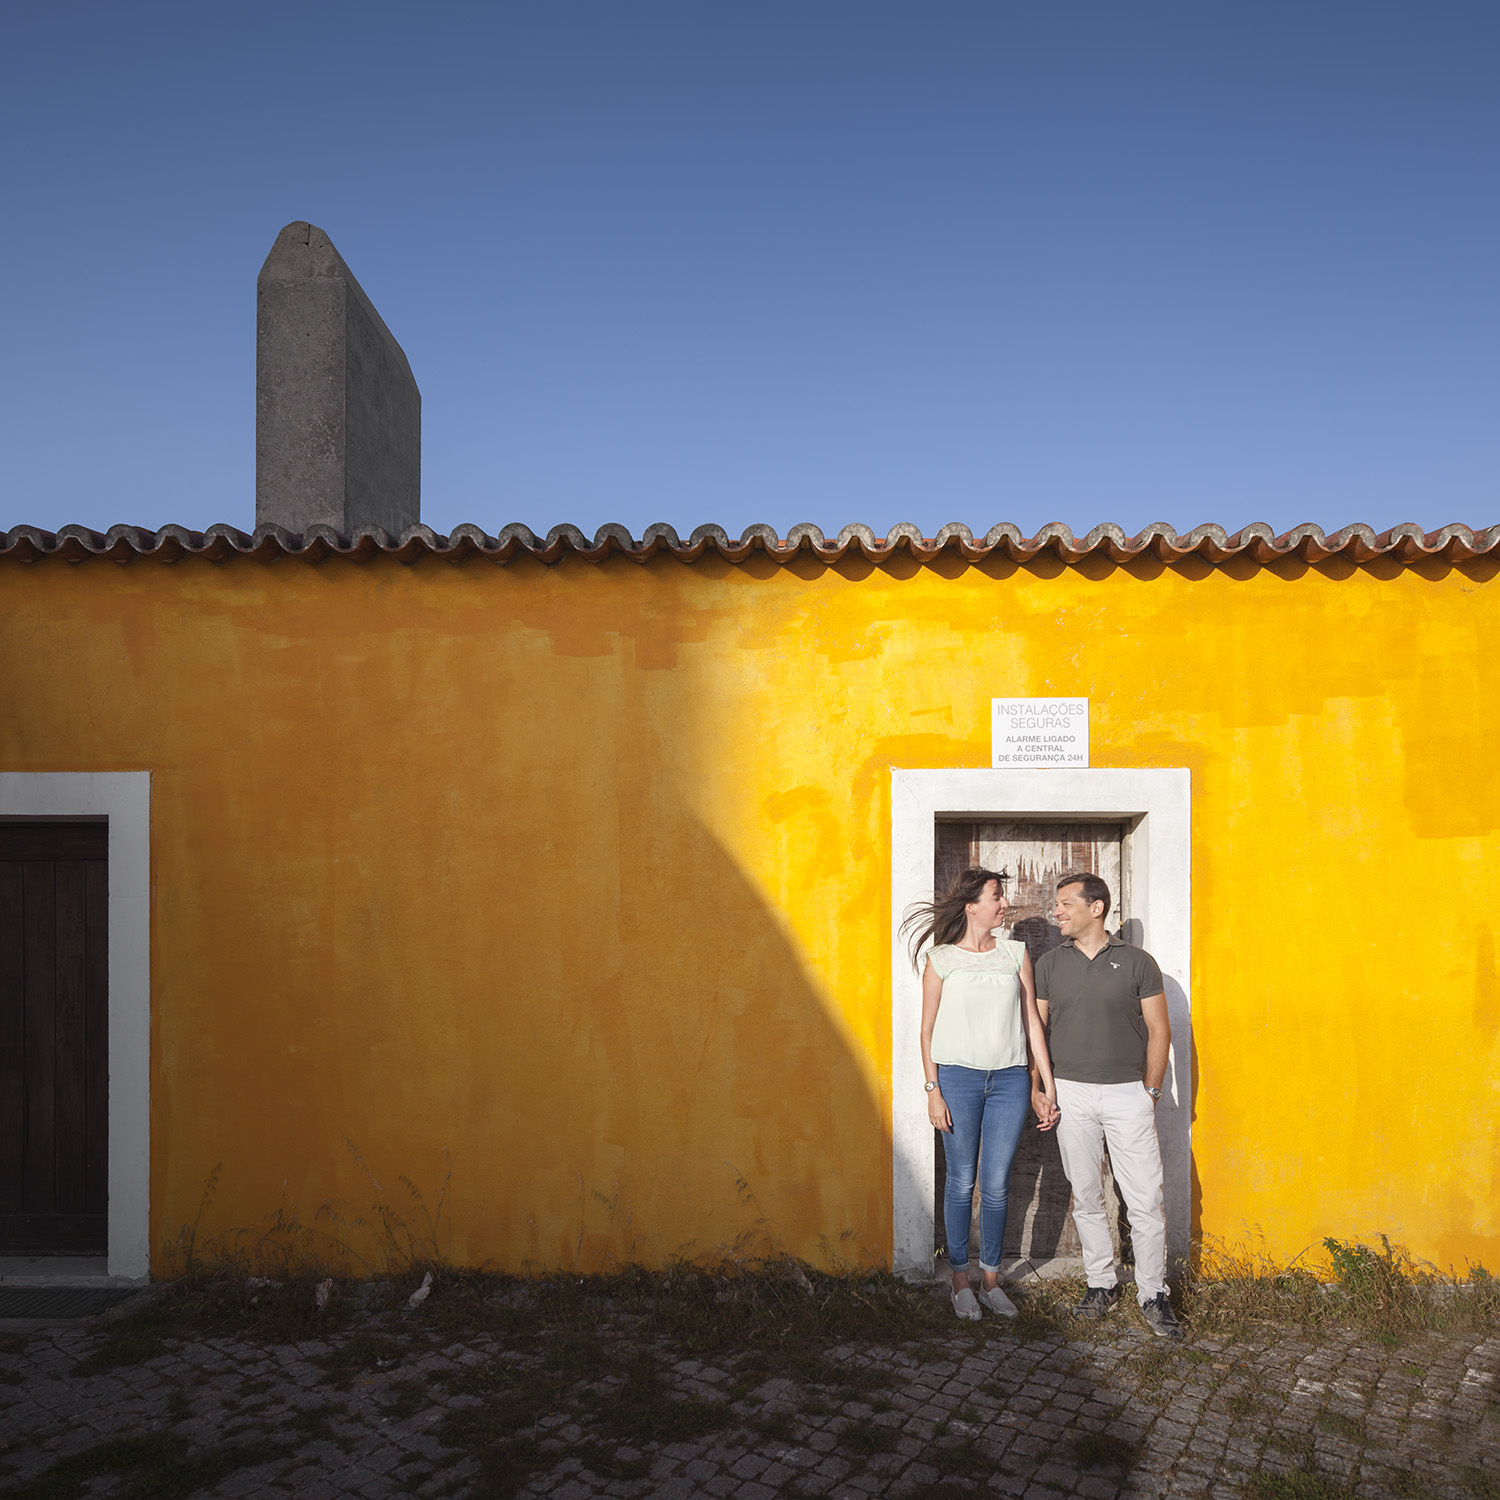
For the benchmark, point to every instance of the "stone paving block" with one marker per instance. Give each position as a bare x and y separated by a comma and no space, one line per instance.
1009,1484
1028,1445
1096,1487
1195,1447
1189,1484
1056,1474
813,1483
678,1488
311,1485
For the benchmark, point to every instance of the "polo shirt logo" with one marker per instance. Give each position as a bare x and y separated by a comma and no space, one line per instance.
1114,966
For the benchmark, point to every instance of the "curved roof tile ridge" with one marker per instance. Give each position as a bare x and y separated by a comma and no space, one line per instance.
1406,543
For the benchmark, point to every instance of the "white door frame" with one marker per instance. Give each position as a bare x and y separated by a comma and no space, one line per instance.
1156,806
124,797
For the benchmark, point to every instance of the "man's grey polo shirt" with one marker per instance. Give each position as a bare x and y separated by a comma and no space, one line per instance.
1096,1031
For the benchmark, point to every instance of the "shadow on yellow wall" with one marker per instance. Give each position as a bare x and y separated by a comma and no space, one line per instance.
691,1099
582,873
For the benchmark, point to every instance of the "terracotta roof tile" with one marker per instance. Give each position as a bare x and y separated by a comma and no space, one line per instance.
1258,543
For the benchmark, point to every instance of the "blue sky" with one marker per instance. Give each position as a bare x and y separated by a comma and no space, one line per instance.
775,262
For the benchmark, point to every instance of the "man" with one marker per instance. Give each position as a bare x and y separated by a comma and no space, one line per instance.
1102,1002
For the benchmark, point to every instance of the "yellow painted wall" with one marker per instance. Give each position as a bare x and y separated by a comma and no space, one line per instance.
580,875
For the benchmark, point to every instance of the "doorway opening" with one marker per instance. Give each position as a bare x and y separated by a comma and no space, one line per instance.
54,1037
1033,855
117,806
1151,807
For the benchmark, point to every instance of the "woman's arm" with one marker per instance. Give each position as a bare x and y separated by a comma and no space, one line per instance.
1043,1085
932,997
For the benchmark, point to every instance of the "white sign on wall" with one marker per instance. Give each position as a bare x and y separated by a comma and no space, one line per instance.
1039,732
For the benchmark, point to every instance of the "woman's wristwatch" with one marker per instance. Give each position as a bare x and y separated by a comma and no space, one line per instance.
929,1085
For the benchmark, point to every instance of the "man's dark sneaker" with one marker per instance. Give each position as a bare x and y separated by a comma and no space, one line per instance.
1097,1301
1160,1317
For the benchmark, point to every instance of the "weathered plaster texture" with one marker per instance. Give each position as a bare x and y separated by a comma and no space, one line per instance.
577,878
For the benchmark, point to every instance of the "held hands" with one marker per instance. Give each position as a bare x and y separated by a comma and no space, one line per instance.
937,1112
1044,1107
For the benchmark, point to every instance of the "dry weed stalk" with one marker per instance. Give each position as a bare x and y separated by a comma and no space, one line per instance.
1384,1291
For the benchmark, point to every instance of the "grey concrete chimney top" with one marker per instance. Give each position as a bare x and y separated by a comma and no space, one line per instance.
338,416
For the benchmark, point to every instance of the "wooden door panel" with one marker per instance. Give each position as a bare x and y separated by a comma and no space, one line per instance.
69,1039
12,1037
96,1018
53,1234
54,1040
39,937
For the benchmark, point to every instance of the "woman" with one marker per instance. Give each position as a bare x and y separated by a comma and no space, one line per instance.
978,1012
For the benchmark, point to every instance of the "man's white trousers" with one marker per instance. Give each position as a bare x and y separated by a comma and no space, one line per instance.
1122,1116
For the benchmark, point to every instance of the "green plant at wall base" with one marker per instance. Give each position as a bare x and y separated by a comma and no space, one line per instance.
1377,1278
1383,1292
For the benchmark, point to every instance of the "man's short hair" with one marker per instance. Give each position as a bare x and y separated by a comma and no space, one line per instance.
1094,889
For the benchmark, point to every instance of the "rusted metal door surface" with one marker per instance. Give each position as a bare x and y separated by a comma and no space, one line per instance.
1033,857
54,1043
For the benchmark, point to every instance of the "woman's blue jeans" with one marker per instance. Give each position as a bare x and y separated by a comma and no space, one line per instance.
989,1112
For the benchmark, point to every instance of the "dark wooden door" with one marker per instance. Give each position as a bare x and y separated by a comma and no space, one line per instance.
54,1040
1033,856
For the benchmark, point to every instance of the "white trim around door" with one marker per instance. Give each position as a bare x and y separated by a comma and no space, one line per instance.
1155,807
124,797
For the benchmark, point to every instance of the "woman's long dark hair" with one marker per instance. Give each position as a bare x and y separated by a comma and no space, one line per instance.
944,919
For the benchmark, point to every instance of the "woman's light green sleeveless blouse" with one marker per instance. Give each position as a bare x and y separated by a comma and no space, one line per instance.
979,1018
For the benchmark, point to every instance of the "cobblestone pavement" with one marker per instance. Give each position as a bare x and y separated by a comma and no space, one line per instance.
1110,1414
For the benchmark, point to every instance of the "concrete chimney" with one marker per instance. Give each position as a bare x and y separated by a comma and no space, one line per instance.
338,416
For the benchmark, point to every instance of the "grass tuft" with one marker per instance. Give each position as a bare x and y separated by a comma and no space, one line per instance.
360,1353
612,1463
127,1345
1154,1365
1483,1484
1301,1486
1384,1292
869,1437
646,1409
1105,1450
1336,1424
157,1466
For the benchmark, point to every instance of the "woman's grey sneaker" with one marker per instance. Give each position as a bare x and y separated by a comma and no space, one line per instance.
965,1305
1097,1302
1158,1313
997,1302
